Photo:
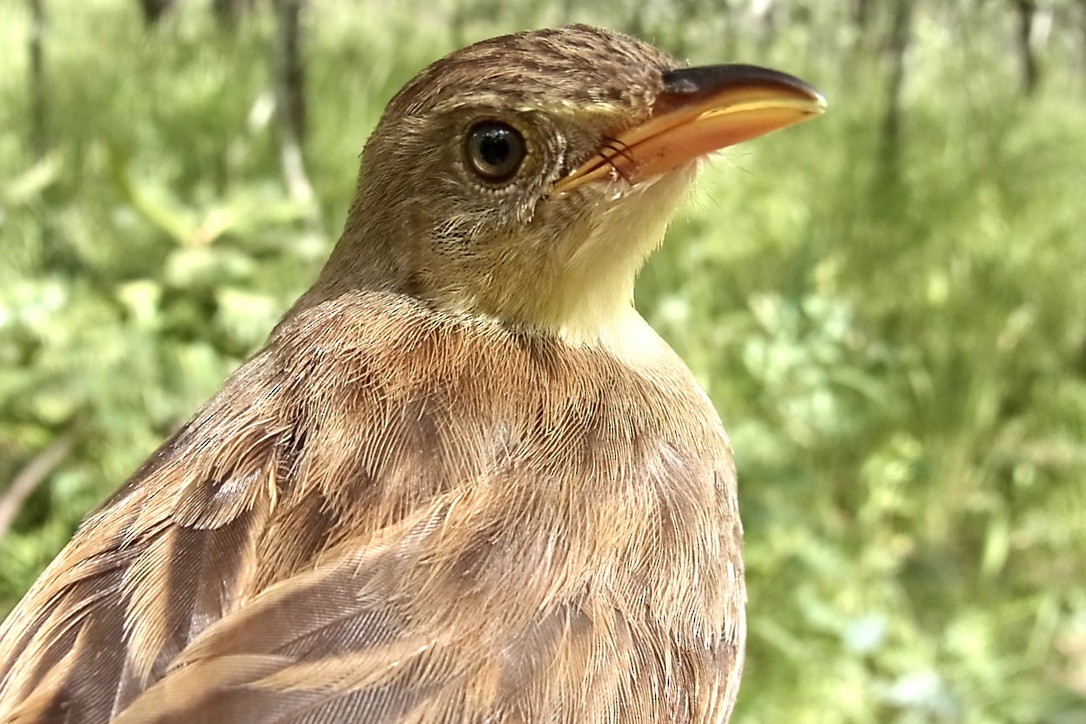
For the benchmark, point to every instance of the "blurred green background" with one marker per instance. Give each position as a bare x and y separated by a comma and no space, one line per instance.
887,305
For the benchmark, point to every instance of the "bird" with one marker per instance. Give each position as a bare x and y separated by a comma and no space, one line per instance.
463,480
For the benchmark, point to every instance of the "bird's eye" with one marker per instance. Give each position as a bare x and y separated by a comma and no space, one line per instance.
495,150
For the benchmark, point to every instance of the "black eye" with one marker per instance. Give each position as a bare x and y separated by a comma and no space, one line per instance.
495,150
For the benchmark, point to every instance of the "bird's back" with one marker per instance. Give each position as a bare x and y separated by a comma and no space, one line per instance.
390,514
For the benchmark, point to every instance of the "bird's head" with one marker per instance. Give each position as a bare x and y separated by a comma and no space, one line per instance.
525,178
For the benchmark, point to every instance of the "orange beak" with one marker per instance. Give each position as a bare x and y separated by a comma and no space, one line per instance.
700,110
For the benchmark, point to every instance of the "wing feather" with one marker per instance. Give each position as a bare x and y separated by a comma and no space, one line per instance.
341,535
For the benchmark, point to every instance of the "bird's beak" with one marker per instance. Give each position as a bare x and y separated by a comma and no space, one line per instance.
698,111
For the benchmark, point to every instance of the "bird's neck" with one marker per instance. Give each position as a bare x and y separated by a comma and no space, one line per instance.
626,337
581,295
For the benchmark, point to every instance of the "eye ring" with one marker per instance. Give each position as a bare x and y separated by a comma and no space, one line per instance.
494,150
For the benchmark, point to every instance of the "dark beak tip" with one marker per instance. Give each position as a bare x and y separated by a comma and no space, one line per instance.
710,78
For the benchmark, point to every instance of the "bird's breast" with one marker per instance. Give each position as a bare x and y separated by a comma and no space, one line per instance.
535,468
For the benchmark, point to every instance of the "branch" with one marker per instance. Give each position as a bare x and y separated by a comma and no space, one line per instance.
30,477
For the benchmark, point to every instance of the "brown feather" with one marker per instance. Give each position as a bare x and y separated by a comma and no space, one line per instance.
399,510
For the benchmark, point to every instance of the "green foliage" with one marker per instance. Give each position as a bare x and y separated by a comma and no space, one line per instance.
898,348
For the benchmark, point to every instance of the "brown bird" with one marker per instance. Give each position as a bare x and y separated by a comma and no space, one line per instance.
464,480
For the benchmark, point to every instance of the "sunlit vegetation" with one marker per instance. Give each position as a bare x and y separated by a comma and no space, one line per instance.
887,306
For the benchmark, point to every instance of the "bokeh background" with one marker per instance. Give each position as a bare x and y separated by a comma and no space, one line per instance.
887,305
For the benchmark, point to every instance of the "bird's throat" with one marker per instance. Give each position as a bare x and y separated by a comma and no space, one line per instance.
591,301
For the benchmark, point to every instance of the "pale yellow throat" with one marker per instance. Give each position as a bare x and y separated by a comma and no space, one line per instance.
592,303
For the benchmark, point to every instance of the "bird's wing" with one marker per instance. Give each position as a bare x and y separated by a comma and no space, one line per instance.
169,553
363,540
415,626
392,634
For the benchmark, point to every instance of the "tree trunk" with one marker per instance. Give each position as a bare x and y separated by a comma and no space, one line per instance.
900,32
730,40
39,107
153,10
1027,10
766,12
861,15
229,12
1082,33
290,98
